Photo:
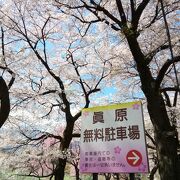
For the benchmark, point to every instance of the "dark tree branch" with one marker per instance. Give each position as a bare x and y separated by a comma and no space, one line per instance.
153,171
157,50
49,92
36,84
51,108
175,98
138,13
151,147
106,12
4,60
93,10
86,92
155,16
43,38
39,139
3,48
36,176
57,78
25,35
121,12
18,102
4,89
60,4
176,89
163,71
132,8
168,102
12,75
150,137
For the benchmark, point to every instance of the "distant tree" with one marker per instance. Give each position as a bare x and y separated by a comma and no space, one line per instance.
36,153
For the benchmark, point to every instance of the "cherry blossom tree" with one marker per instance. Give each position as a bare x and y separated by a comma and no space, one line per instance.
4,88
57,72
64,53
148,30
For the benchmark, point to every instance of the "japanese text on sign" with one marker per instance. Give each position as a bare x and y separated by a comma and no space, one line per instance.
111,134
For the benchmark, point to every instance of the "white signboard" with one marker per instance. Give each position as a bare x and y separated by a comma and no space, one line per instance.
113,140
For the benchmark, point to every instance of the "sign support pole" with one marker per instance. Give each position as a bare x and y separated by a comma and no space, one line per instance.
132,176
95,176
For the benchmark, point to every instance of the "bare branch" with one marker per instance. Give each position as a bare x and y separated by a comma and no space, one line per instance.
51,108
121,12
138,13
132,8
39,139
150,137
157,50
153,171
36,176
106,12
3,49
43,38
49,92
169,89
164,69
168,102
12,74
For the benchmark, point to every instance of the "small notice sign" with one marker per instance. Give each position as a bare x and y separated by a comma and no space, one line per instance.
113,140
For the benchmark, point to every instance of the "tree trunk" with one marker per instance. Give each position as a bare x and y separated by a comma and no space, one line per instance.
165,133
67,137
77,173
167,156
166,140
4,102
59,172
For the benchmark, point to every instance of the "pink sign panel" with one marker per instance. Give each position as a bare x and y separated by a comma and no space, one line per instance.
113,140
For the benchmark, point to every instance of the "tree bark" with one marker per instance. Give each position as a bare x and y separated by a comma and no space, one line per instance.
77,173
59,172
66,140
166,140
165,133
4,102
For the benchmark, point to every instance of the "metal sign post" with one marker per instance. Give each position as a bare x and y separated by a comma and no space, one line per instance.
95,176
132,176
